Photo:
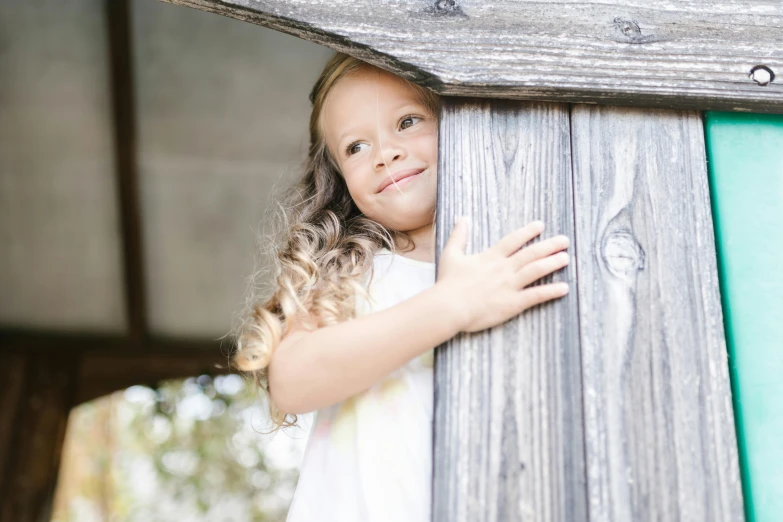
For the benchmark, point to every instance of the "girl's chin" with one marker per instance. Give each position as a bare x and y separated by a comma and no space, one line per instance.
411,225
405,214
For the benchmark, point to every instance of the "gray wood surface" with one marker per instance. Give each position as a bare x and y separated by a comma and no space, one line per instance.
508,420
689,54
659,429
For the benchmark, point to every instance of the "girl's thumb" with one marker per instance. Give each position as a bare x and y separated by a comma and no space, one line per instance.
458,240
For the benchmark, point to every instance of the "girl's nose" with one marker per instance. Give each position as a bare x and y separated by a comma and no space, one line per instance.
386,160
389,153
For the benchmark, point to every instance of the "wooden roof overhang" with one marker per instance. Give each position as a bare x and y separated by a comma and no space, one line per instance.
697,54
613,403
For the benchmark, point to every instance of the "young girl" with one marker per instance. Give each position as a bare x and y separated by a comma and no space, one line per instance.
357,311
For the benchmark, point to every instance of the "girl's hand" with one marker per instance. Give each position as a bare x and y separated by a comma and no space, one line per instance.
489,288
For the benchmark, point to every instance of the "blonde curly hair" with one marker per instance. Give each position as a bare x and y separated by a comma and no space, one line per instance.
326,252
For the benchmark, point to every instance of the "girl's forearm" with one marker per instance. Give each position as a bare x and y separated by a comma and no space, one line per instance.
325,366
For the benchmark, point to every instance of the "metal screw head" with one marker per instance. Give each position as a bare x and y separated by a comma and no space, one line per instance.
762,75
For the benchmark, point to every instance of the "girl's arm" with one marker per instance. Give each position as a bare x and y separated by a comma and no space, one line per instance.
312,369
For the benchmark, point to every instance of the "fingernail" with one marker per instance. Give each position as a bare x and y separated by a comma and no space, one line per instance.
562,288
538,224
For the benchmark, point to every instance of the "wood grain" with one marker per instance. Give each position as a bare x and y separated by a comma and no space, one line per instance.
508,419
695,54
659,425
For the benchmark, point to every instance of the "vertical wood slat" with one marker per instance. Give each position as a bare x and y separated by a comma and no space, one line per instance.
508,420
659,432
13,373
34,439
118,22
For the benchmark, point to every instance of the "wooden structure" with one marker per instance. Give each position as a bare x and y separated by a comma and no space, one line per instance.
122,261
43,375
612,404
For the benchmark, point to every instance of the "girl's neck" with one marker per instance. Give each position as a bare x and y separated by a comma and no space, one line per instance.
423,244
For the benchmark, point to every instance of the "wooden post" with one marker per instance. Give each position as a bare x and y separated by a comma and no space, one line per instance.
36,394
659,426
508,419
645,430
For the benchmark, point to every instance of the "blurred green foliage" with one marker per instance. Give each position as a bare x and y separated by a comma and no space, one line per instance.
189,450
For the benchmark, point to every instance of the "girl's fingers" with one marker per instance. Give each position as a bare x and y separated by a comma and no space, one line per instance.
539,250
535,295
516,239
540,268
458,240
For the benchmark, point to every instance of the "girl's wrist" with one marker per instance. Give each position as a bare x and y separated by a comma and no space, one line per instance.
450,304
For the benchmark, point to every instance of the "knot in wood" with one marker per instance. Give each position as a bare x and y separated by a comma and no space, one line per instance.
762,75
446,5
444,9
628,31
622,254
628,27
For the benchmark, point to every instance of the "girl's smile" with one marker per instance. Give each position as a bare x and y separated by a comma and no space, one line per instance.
400,179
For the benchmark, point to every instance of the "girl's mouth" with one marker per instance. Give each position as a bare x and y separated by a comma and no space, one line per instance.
401,179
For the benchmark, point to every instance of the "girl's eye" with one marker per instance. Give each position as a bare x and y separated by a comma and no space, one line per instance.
354,148
409,121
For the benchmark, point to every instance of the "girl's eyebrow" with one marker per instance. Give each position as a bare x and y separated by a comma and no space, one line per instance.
345,134
407,104
404,105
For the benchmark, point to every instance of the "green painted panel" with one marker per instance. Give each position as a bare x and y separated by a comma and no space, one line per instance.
745,158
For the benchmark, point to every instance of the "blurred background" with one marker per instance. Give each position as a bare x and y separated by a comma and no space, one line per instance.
142,148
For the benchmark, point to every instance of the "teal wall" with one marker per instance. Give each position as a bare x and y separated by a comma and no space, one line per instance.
745,159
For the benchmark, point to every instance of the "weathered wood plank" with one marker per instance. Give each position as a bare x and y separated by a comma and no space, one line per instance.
659,428
36,437
690,54
508,419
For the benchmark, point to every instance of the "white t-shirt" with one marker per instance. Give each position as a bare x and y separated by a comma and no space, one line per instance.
369,458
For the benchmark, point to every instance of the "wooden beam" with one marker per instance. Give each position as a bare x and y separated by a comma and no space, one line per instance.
702,54
26,341
103,374
508,407
124,115
659,426
43,388
110,363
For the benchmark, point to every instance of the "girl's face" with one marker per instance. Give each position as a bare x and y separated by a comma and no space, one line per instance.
385,142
